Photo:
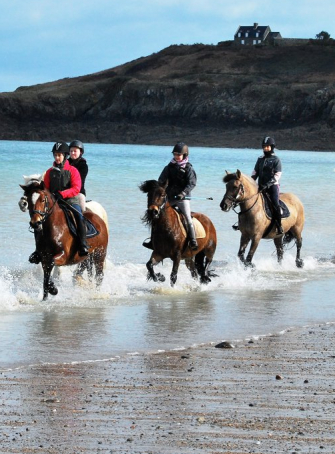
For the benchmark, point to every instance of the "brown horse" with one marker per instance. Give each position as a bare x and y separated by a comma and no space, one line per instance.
253,222
169,240
55,243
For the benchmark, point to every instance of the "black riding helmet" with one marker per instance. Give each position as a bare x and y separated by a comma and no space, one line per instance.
268,141
178,148
61,147
77,144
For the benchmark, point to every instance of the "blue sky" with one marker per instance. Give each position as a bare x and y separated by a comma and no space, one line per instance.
46,40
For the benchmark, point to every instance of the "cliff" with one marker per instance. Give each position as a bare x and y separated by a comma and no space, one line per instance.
207,95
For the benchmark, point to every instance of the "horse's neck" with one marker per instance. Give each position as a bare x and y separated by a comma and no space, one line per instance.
251,197
167,218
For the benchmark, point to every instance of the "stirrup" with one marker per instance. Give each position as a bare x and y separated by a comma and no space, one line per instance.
35,258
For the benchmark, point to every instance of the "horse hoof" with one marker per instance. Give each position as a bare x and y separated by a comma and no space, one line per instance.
205,280
299,263
52,289
160,277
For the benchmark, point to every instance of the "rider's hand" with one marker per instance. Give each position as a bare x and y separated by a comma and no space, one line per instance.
58,196
180,196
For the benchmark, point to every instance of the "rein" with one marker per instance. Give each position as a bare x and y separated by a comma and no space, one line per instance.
236,202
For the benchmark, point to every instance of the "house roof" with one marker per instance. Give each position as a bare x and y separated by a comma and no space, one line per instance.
252,30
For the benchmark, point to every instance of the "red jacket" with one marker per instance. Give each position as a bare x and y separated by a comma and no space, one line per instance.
67,180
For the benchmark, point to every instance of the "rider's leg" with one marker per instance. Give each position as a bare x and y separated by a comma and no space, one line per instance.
185,208
273,191
81,230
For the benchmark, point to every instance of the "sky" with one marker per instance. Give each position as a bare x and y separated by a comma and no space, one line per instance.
46,40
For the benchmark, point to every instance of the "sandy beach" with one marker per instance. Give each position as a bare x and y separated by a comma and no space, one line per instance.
269,395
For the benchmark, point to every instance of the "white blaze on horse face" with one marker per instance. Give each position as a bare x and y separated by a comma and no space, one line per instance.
35,197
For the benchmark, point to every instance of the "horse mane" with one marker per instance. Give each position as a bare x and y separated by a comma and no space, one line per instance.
233,176
149,185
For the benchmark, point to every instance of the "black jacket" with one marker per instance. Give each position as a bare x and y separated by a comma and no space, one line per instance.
181,179
81,165
265,169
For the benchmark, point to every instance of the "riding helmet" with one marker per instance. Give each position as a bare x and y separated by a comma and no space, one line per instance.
178,148
61,147
77,144
269,141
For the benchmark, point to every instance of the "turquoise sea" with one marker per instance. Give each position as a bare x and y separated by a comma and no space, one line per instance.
130,315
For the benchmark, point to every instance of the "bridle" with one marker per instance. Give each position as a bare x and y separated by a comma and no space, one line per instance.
236,202
47,211
157,209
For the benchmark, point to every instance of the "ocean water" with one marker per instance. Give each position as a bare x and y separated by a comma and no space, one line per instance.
129,315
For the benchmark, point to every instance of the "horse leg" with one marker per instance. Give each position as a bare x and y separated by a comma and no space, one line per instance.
154,260
244,241
254,245
278,241
298,261
174,272
191,266
48,284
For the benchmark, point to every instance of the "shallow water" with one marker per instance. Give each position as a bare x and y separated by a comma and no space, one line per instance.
129,314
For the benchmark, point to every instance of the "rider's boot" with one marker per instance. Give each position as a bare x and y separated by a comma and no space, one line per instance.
280,230
81,230
148,244
35,257
192,237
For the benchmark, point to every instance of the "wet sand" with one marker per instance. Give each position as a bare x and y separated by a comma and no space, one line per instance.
272,395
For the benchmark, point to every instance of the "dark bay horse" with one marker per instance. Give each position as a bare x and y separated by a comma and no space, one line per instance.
169,240
56,245
252,221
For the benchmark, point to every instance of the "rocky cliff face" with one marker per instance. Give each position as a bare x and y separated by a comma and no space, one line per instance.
205,95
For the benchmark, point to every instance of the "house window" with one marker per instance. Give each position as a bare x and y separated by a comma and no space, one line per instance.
242,41
246,34
259,41
257,34
254,41
239,34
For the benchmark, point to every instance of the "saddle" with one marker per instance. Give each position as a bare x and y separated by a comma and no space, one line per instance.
285,212
198,227
91,231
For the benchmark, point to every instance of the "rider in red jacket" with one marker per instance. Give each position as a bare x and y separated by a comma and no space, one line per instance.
64,182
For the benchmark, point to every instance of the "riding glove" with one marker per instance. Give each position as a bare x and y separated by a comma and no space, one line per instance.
58,196
180,196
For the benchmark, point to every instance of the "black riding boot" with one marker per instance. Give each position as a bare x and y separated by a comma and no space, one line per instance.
148,244
192,237
81,230
277,215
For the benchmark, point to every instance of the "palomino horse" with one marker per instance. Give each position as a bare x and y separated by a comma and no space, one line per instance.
55,243
253,222
168,238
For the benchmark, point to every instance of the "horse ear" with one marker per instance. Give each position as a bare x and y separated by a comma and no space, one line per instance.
238,174
23,187
42,184
165,185
227,173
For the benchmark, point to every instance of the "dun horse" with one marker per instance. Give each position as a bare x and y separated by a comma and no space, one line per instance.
169,240
252,220
56,245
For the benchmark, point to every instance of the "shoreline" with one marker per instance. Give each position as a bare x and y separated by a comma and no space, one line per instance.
271,394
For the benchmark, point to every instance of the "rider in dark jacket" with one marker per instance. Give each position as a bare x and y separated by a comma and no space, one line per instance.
181,178
268,170
76,160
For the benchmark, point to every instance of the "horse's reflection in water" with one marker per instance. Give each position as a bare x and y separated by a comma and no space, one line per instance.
55,243
253,222
169,240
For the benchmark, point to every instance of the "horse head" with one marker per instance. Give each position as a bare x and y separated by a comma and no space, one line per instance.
234,190
38,203
156,199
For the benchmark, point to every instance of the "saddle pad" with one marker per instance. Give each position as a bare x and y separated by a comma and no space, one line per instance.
91,231
285,212
198,227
